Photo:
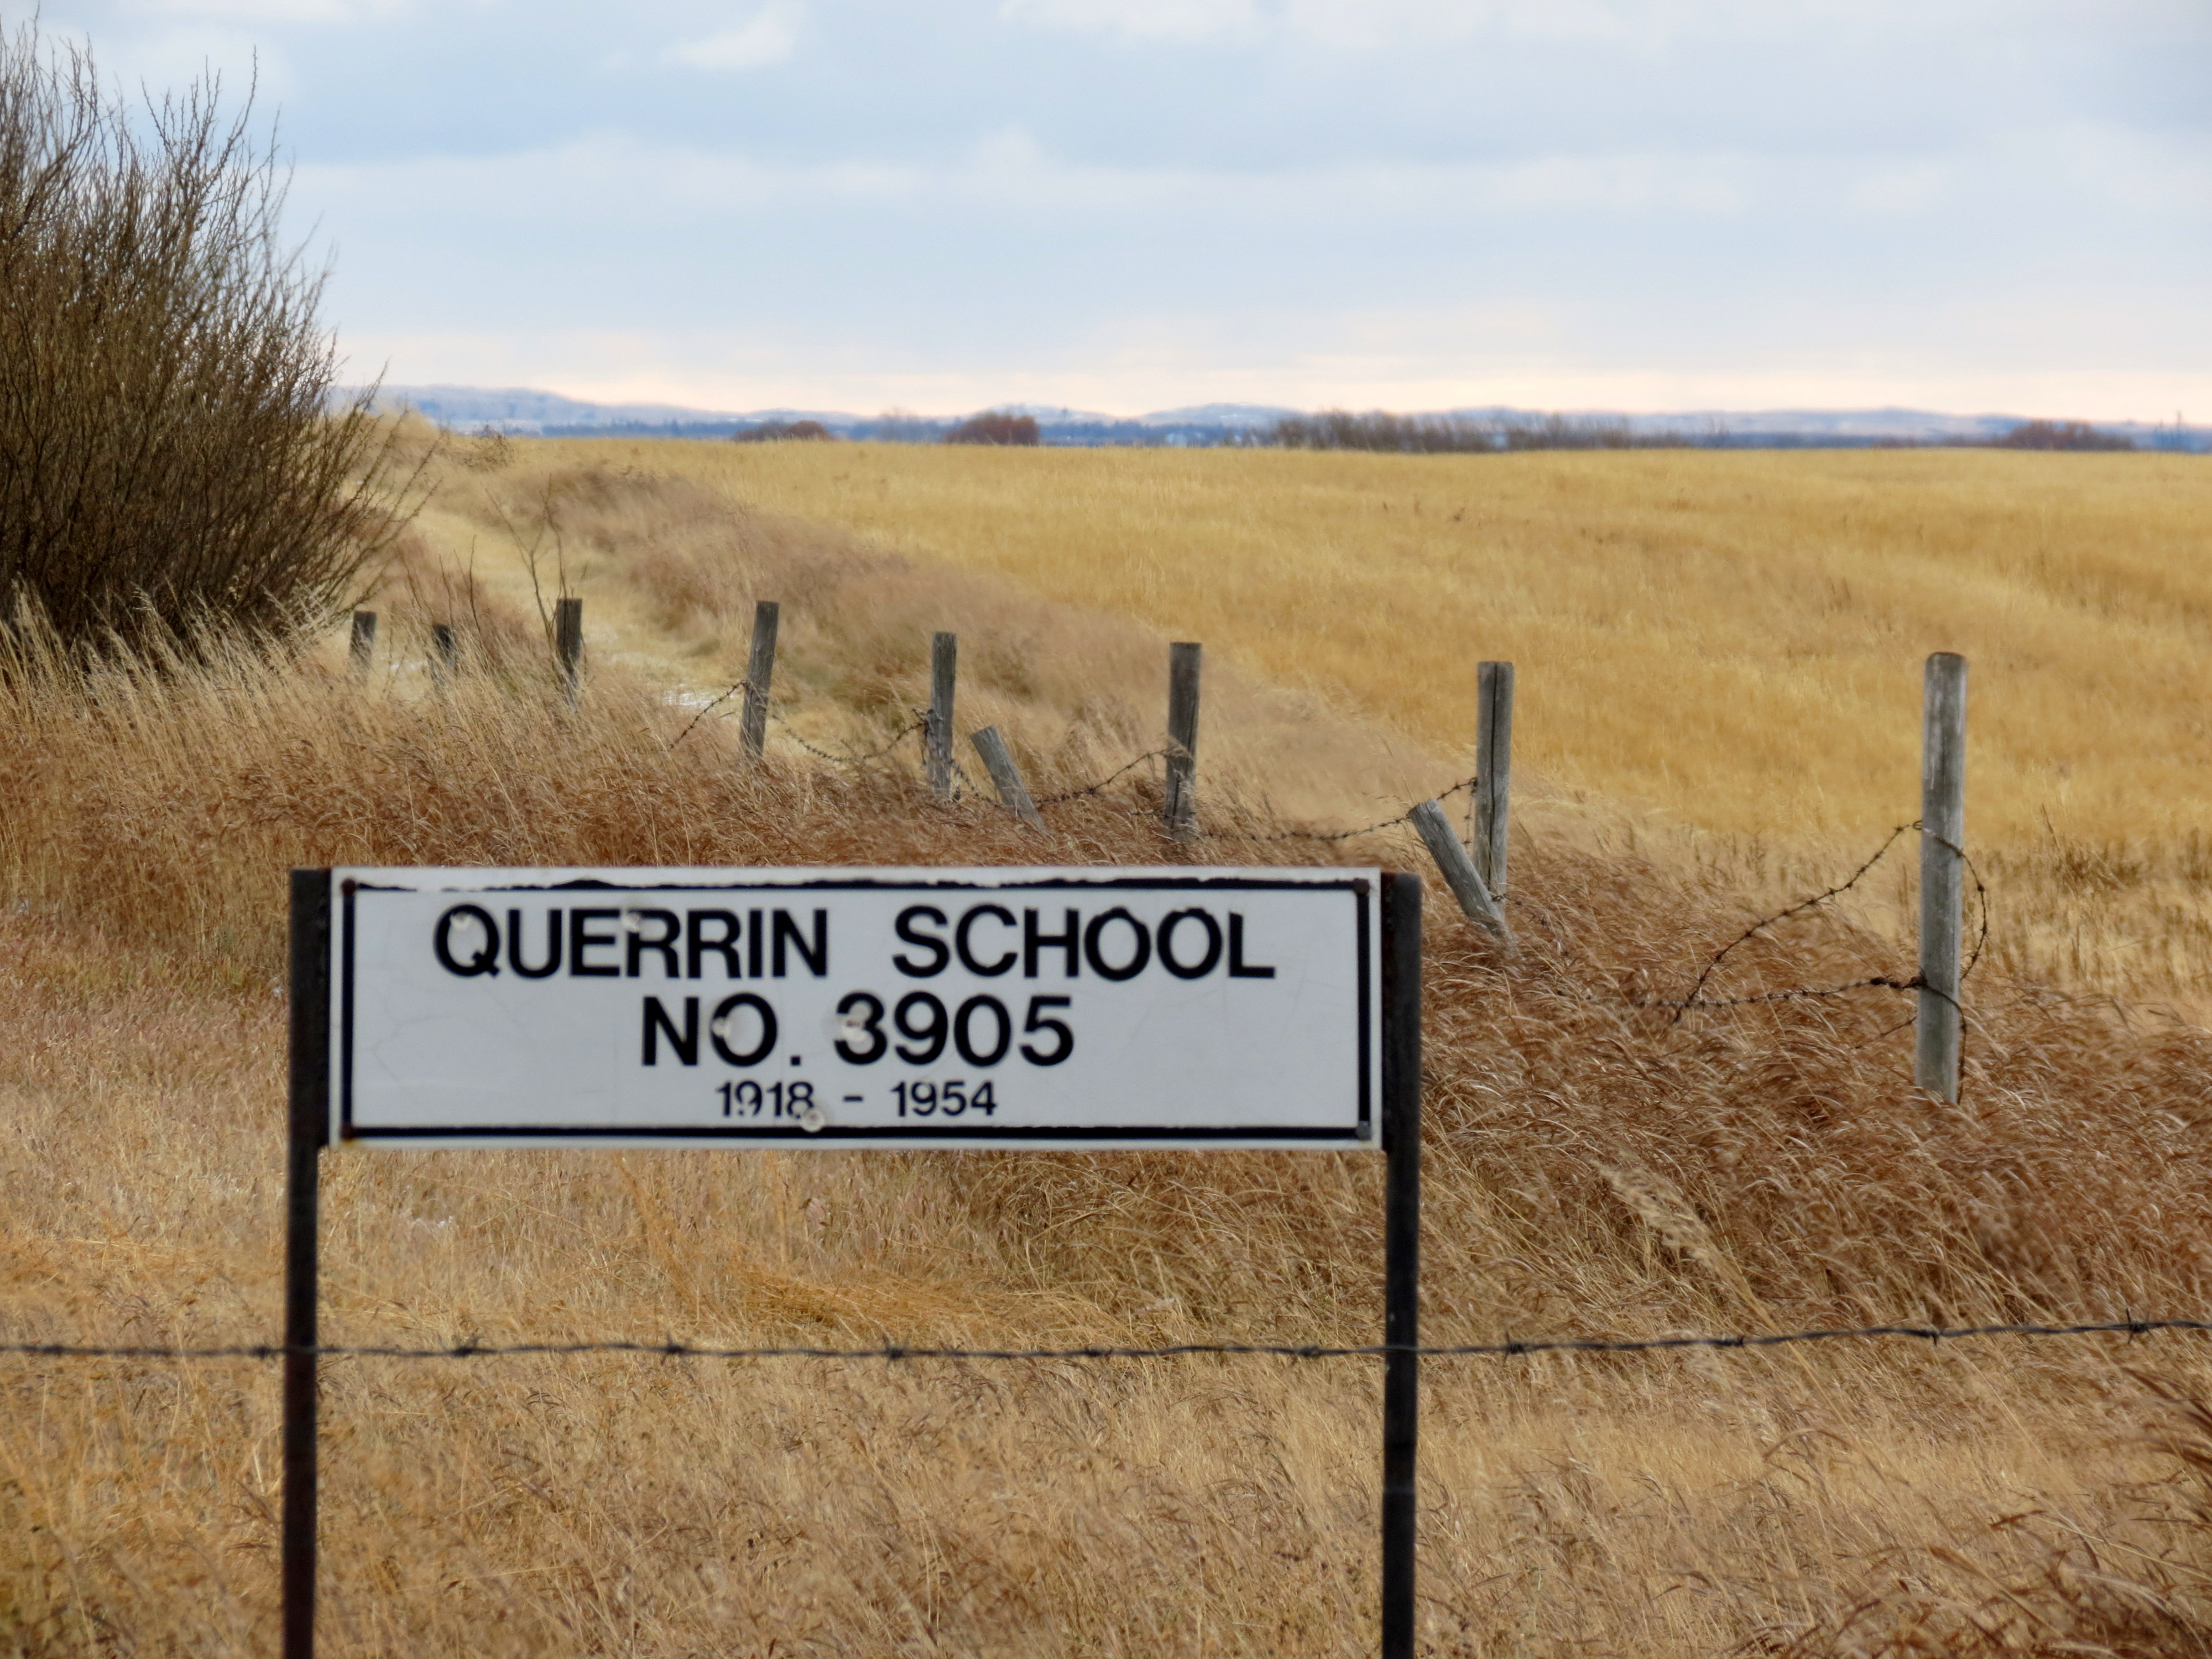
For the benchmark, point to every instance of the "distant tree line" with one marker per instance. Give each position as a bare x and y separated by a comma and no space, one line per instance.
992,427
773,432
1381,431
1460,435
2061,434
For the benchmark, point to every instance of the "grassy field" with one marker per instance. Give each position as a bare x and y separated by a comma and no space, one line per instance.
1593,1166
1725,642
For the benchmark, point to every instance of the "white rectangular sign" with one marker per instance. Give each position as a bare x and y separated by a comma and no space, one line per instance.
1069,1008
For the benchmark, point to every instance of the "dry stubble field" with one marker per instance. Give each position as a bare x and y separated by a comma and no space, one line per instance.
1704,720
1728,644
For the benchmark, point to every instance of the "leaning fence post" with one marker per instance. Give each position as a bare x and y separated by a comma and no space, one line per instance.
445,652
1493,766
760,669
1181,807
1459,872
1005,777
569,642
1938,1026
363,645
936,735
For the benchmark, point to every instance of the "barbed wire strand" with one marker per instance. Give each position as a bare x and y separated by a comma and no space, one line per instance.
1094,788
1713,963
1886,982
1792,994
776,714
1347,835
864,758
900,1350
704,712
982,792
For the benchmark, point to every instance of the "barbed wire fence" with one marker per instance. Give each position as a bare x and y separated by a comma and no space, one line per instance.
1694,1000
897,1351
964,784
2132,1328
935,725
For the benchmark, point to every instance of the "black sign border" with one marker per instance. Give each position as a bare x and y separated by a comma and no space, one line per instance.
1364,1138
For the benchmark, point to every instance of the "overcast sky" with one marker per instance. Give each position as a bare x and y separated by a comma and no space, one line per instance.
1129,204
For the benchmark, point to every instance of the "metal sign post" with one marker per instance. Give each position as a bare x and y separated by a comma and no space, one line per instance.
1059,1008
1402,1252
309,1129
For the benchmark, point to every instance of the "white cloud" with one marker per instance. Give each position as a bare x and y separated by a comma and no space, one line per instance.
1902,190
2142,172
1154,20
1009,173
279,11
770,36
1385,25
1694,184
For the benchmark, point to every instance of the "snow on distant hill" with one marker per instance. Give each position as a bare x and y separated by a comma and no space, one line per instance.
1241,414
523,411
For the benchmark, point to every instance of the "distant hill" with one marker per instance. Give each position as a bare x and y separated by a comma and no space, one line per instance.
525,410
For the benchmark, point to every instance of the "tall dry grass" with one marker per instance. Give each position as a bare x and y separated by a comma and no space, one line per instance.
1726,643
670,570
1592,1166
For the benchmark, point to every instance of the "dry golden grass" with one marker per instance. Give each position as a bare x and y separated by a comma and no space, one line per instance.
1730,643
1591,1168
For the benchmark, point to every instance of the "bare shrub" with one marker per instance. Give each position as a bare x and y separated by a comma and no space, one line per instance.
774,432
2063,435
168,452
995,426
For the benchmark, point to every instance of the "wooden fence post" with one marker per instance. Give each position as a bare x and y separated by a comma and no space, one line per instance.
1459,872
937,735
760,669
1493,766
1938,1026
363,647
1181,807
568,643
445,652
1005,777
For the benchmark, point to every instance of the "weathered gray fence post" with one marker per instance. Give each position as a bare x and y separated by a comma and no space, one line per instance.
1181,807
1459,873
1005,777
760,669
937,734
1938,1027
363,645
1493,766
568,643
445,653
